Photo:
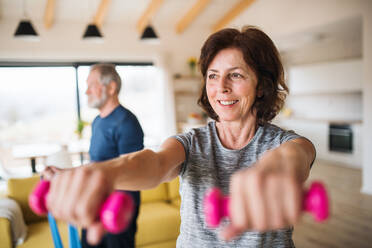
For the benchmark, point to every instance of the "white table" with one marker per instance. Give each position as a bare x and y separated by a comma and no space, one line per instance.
33,151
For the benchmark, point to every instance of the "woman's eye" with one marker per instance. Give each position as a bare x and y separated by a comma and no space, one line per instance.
236,75
211,76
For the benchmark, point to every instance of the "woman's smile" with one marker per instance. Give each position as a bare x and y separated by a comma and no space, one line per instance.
227,103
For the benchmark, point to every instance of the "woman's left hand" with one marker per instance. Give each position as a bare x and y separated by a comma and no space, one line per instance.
263,198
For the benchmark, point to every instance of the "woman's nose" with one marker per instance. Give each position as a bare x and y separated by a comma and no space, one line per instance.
223,85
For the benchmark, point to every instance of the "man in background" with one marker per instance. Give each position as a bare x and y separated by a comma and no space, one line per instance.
115,131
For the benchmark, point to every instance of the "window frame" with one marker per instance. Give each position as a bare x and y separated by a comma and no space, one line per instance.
75,65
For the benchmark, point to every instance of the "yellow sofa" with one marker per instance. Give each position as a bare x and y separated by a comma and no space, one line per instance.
158,220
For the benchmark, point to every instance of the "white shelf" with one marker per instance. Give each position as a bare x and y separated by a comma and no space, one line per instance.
325,93
187,77
186,92
323,120
187,85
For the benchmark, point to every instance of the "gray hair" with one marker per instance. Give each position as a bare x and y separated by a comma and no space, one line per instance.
108,73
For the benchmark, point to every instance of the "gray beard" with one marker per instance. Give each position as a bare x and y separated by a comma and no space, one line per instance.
98,103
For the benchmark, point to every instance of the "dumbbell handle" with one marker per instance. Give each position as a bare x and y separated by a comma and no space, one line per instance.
315,201
115,213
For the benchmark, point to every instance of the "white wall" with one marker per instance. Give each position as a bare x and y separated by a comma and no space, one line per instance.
281,18
324,93
328,77
367,99
328,91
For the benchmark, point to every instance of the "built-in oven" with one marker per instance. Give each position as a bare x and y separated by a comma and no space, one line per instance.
340,138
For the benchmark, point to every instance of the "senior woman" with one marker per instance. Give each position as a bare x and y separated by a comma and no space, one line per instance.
261,166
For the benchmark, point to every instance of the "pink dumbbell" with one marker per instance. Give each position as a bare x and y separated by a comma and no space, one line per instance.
115,213
216,206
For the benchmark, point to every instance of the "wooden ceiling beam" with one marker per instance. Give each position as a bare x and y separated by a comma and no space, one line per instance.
101,12
49,14
232,14
149,13
191,15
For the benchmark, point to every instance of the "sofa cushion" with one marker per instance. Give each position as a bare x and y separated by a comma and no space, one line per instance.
157,222
167,244
173,189
152,195
19,190
39,235
5,233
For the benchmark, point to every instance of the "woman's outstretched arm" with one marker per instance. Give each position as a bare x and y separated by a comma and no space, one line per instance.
269,195
144,169
76,195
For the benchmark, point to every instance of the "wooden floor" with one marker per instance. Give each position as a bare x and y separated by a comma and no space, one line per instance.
350,223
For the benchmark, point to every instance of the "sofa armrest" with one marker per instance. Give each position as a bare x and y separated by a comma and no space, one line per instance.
5,233
19,189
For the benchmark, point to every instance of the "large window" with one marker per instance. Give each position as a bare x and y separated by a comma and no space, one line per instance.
39,109
37,113
38,104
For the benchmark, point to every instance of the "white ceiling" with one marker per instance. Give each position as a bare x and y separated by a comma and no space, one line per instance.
120,11
291,23
270,14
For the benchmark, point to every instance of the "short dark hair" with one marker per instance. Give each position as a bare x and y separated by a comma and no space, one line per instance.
261,55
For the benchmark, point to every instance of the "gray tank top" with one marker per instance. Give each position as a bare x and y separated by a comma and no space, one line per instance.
209,164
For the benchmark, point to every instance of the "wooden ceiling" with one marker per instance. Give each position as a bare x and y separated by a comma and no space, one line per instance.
196,8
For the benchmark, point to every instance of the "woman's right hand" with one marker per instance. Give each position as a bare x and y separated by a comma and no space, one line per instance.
49,172
76,195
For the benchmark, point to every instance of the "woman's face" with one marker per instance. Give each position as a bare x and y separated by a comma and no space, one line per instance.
231,86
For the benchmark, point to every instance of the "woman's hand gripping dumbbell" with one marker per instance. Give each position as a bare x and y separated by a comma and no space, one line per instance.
115,213
315,201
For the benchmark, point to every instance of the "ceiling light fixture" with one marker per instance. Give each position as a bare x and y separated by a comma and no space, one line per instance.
149,35
25,30
92,33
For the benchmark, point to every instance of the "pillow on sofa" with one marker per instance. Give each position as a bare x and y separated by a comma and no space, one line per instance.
156,194
158,224
18,190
